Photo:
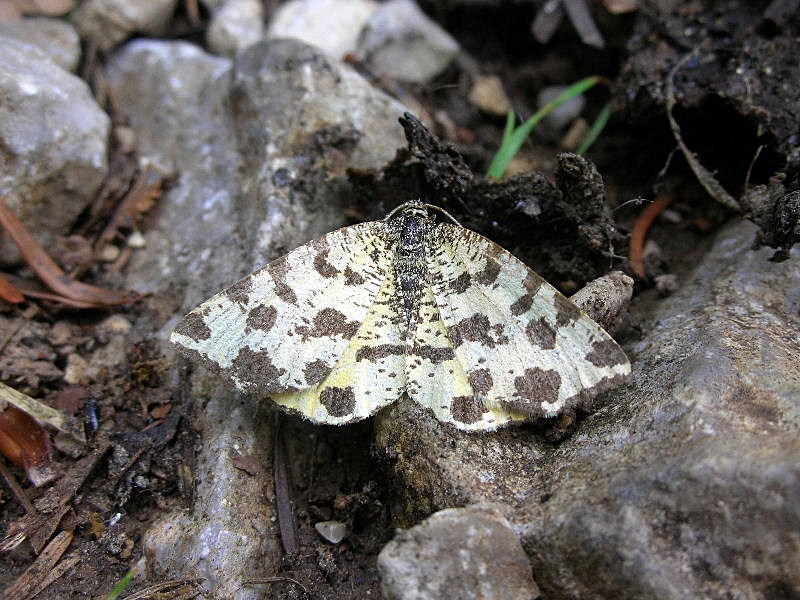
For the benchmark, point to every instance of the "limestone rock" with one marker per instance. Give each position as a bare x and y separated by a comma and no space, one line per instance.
55,37
53,143
460,554
235,25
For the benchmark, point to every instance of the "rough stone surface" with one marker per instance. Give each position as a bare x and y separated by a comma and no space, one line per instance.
459,553
235,25
606,299
53,139
402,42
257,148
331,25
55,37
684,484
106,23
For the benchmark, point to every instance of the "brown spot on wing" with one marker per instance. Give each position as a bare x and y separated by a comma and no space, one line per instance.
262,318
477,329
315,372
467,409
239,292
339,402
534,387
481,381
375,353
257,370
434,354
460,284
329,322
522,305
531,283
606,353
193,326
489,272
566,310
321,263
541,334
352,278
278,269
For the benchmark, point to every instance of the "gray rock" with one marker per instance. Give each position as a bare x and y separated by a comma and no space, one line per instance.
331,25
235,25
55,37
106,23
402,42
53,139
606,299
169,89
176,97
459,553
684,484
258,148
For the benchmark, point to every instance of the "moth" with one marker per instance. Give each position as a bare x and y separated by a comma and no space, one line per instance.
343,325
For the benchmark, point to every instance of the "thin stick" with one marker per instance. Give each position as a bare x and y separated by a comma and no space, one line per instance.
640,229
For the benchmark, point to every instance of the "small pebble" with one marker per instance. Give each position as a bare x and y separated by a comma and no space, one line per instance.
109,253
332,531
136,240
487,94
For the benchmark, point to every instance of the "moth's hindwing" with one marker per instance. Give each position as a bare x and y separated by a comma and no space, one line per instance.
525,349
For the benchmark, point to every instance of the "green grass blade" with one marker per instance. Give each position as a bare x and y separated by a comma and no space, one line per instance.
122,584
597,128
513,140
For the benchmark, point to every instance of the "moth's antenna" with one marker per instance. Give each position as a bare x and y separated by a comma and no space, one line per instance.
444,212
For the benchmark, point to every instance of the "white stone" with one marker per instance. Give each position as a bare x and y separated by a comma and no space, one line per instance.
235,25
332,25
402,42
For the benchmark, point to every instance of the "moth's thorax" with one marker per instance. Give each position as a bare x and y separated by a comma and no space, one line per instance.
411,228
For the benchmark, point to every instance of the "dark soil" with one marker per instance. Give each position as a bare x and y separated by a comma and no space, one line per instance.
563,221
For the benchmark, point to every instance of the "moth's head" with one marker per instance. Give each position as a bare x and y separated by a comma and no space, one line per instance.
413,210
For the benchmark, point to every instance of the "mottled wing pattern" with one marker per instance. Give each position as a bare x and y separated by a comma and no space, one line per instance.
525,350
367,376
302,327
441,380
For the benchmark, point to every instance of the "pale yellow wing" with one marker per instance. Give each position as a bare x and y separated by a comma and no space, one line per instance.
285,328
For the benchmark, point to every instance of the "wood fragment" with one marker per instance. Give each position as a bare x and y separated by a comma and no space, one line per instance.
177,589
283,492
267,580
43,413
40,574
140,199
19,493
640,229
38,527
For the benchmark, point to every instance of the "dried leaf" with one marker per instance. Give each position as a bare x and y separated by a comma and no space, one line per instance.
9,293
49,272
41,573
25,443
